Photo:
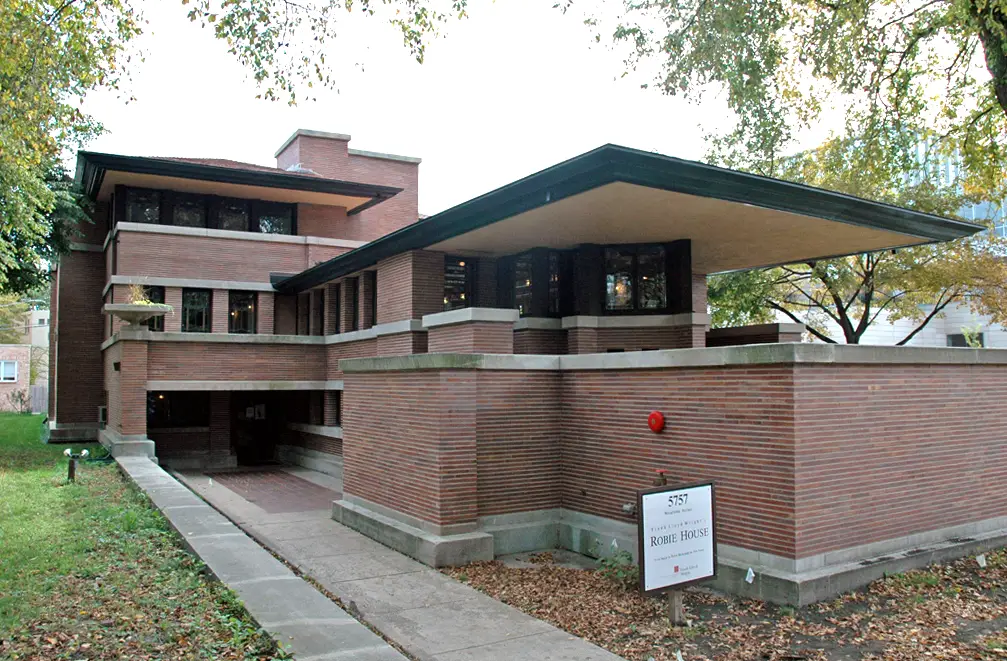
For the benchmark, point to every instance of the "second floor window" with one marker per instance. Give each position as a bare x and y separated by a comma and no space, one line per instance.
276,219
155,295
233,215
635,279
523,282
196,310
143,206
241,312
188,211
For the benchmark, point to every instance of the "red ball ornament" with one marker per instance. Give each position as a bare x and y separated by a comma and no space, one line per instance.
656,421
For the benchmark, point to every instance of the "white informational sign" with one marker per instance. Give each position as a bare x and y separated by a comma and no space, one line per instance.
677,538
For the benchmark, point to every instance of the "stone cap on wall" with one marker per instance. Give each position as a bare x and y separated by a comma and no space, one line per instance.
471,315
752,354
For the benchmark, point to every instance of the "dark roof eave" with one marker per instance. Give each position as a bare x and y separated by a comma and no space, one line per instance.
612,163
91,168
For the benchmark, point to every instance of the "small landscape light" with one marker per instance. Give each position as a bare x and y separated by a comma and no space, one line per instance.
71,468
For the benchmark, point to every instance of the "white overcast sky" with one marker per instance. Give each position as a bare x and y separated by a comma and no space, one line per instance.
516,87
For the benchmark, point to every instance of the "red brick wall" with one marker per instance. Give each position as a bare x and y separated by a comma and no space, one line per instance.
284,315
402,344
219,311
110,356
582,340
421,458
732,425
538,340
410,285
169,443
517,428
315,442
336,352
473,337
264,311
132,388
885,451
209,258
220,423
20,354
330,158
635,339
215,361
80,329
173,320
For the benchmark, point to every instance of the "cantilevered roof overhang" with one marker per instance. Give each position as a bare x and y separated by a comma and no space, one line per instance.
99,173
617,195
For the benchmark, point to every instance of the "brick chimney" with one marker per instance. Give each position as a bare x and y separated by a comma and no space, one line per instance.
324,153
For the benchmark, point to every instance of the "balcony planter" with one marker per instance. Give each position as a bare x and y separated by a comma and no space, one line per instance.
135,314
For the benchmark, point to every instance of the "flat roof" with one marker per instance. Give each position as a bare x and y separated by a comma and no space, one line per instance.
99,173
615,194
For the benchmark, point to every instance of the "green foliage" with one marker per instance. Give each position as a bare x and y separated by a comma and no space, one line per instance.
878,67
852,293
880,76
283,44
93,567
54,53
619,567
13,318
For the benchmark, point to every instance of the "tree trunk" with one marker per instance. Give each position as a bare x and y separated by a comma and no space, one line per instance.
995,50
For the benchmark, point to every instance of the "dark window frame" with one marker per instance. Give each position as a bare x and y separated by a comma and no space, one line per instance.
467,266
353,300
254,208
959,340
154,294
208,311
238,311
634,249
373,276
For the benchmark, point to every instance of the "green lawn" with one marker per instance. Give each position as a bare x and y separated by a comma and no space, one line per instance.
91,571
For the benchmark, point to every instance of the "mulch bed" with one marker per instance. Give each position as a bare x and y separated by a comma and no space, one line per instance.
954,611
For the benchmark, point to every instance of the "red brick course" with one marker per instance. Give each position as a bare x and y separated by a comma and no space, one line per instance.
410,285
885,451
331,158
78,328
472,337
542,341
217,361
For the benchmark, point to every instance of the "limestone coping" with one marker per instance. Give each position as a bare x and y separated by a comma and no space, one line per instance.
751,354
172,385
231,234
143,334
135,314
538,323
186,282
471,315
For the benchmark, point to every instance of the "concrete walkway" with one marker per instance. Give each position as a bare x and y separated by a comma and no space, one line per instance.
428,614
298,616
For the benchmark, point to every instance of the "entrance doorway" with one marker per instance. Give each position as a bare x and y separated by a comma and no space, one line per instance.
256,423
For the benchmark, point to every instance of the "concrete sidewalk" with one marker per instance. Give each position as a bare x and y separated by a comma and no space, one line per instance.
298,616
428,614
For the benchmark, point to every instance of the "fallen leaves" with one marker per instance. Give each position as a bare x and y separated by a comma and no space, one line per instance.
953,611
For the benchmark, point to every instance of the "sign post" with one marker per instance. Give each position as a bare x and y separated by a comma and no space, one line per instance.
677,540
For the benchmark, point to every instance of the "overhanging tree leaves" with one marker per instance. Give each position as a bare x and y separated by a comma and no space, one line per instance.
54,53
853,293
915,90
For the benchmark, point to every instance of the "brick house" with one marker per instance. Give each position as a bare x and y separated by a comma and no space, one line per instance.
481,378
15,373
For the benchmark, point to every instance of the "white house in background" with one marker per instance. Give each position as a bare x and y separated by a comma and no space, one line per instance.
944,331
